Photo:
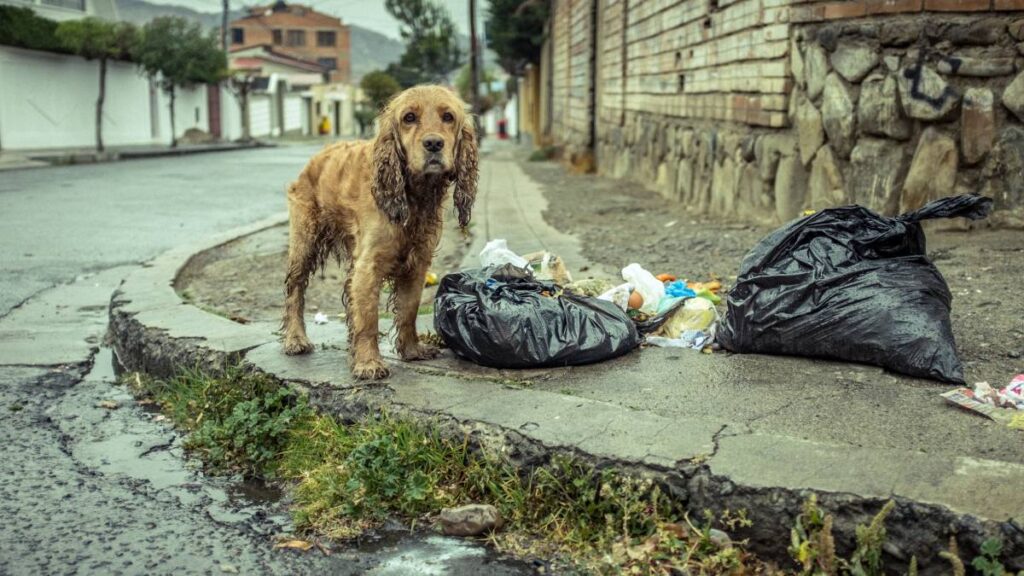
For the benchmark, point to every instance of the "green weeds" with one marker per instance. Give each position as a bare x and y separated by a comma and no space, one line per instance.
988,564
345,479
814,549
238,423
544,154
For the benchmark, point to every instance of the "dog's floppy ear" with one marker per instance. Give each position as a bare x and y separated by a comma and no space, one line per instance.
466,170
388,186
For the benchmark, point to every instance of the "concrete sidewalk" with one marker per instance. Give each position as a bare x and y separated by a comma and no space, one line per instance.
721,431
19,159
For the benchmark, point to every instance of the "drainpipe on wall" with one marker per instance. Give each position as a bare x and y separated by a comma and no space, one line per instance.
594,13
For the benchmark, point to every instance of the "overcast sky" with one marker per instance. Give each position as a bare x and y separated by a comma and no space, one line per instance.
366,13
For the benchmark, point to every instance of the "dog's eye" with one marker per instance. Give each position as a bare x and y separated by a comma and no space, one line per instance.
409,118
448,117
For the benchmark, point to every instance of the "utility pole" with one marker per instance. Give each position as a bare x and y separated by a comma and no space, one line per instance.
474,71
224,27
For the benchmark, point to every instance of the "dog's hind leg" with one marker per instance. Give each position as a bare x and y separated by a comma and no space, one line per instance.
302,239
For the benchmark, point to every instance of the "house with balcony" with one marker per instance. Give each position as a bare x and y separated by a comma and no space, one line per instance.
298,31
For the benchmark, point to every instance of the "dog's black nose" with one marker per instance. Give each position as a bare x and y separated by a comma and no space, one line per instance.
433,143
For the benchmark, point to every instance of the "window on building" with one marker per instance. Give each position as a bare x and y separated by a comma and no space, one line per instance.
237,36
277,37
328,63
72,4
326,38
296,38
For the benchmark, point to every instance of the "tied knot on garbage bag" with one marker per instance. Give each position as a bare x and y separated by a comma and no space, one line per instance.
849,284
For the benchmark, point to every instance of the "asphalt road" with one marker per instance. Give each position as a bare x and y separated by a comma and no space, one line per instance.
90,490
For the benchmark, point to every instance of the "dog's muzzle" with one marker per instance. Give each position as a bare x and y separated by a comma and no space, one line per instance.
434,164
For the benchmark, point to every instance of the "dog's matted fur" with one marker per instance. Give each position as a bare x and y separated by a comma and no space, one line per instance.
378,204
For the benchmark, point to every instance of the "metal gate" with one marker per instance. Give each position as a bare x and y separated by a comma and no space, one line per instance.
292,112
259,115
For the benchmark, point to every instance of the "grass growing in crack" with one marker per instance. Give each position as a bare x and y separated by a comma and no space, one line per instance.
237,423
345,479
813,547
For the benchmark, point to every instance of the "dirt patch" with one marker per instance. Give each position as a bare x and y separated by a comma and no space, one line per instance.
244,279
619,222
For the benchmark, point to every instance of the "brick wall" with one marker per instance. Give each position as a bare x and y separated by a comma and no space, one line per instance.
827,10
671,71
720,60
572,85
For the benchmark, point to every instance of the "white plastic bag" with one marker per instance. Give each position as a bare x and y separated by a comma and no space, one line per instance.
652,289
496,253
618,295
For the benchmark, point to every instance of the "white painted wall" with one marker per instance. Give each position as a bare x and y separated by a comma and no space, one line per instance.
106,9
189,112
49,100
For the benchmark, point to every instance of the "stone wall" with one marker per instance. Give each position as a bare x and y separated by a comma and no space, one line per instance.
891,112
684,88
760,109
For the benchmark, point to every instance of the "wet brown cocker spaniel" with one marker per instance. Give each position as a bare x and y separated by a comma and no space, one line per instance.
379,205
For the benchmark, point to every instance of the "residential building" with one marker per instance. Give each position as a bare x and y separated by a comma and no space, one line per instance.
69,9
298,31
281,102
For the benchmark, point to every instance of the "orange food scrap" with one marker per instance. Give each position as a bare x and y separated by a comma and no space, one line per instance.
714,286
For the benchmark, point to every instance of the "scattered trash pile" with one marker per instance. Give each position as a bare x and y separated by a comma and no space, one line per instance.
672,313
843,283
1005,405
848,284
526,311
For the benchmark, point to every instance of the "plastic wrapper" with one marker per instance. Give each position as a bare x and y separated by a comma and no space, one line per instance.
497,253
618,295
695,314
506,318
849,284
1014,391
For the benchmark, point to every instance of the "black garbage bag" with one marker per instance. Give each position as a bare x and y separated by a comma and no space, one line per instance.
849,284
505,318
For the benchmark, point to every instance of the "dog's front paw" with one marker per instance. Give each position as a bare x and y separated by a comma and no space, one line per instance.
297,344
419,351
370,370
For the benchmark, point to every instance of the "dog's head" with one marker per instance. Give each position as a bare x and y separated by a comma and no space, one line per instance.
424,134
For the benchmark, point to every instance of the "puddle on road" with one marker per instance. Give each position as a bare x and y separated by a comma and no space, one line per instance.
128,442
